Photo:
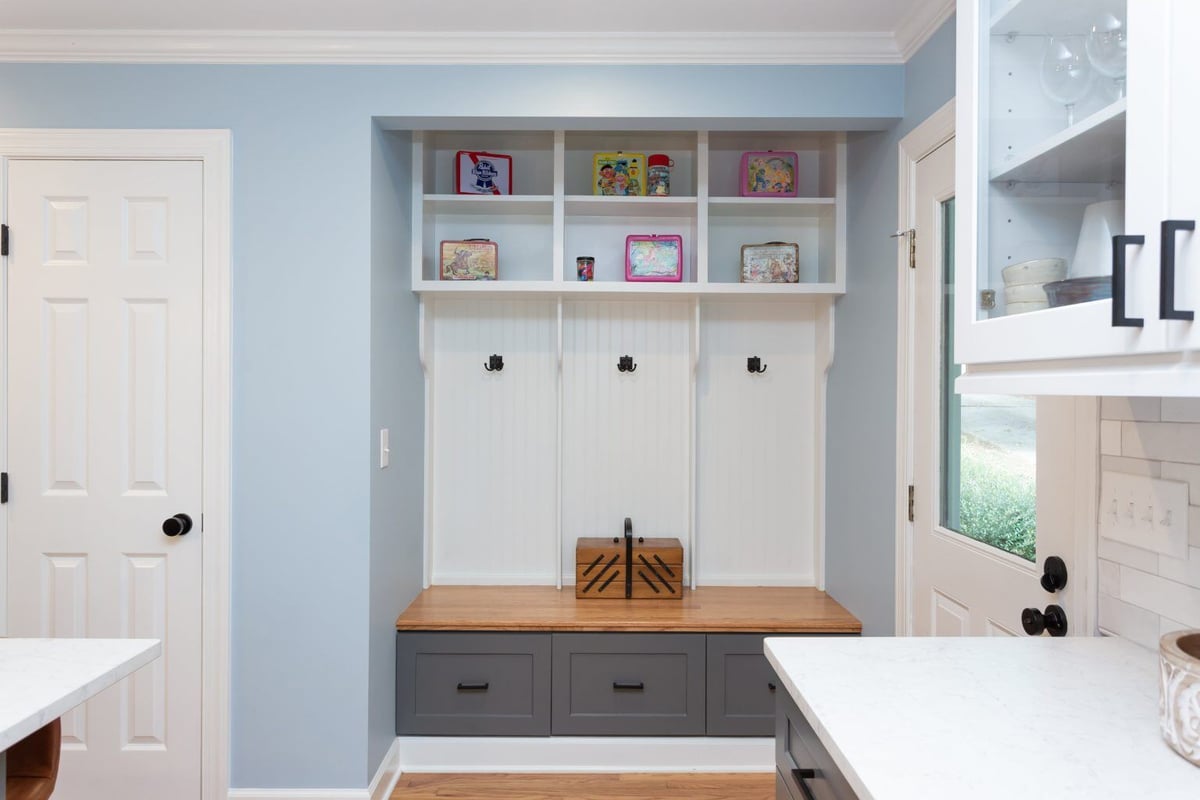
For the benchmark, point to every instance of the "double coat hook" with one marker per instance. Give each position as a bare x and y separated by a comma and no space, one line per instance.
754,364
494,364
625,364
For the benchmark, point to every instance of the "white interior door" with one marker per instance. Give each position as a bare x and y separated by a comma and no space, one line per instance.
104,421
993,476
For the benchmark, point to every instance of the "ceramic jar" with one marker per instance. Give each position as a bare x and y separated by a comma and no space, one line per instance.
1179,692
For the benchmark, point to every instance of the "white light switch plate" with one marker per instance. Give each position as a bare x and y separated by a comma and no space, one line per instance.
1145,512
385,450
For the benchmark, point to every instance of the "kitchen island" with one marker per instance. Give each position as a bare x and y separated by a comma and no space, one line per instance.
908,718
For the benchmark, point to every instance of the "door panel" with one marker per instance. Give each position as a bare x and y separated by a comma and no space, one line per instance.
104,438
1182,132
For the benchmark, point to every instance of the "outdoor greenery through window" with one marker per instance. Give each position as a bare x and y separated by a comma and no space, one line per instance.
989,447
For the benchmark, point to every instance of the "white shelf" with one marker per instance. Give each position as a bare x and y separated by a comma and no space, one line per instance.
1090,151
577,289
489,204
1045,17
584,205
771,206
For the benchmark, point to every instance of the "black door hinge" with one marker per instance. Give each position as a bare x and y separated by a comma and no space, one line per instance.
912,494
3,487
3,240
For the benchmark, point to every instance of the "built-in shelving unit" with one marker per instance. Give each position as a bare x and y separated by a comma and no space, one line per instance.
553,217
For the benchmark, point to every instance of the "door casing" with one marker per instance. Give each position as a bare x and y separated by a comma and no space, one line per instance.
212,149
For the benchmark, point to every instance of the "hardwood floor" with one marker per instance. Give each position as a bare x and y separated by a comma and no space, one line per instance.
607,786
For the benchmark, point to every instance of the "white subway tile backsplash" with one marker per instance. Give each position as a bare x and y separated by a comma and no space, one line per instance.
1189,474
1132,466
1181,570
1130,622
1181,409
1145,409
1143,595
1127,555
1110,437
1166,597
1161,441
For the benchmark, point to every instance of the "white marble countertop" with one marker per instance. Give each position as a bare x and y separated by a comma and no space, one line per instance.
41,679
908,718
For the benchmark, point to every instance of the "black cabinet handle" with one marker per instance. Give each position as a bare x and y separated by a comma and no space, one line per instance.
1166,276
1119,320
628,686
473,687
803,776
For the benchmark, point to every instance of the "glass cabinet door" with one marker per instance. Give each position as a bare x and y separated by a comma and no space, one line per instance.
1047,127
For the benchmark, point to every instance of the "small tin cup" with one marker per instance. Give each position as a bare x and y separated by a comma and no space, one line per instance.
585,266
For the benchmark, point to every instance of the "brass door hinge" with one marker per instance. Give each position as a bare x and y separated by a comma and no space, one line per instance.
912,502
911,234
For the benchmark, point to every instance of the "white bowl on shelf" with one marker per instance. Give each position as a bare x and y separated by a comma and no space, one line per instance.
1037,271
1022,308
1026,293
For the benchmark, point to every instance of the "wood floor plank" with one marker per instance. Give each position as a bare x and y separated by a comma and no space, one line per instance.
602,786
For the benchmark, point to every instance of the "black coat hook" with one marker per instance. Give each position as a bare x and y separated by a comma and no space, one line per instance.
625,364
494,364
754,364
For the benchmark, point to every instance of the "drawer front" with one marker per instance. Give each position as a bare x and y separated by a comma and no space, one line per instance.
473,684
628,684
798,749
741,686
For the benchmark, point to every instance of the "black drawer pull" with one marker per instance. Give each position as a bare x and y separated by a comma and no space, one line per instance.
1166,276
473,687
770,686
1119,320
628,686
802,777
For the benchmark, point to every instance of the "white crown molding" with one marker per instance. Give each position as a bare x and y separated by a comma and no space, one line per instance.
305,47
916,29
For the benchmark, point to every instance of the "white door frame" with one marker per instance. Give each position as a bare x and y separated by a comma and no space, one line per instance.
212,149
923,140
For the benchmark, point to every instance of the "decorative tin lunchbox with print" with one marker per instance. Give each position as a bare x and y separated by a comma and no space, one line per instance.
482,173
469,260
619,174
653,258
773,262
768,174
611,568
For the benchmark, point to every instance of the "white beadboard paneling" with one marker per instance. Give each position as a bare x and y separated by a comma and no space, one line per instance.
1181,409
1168,598
756,476
1145,409
494,441
625,435
1161,441
1189,474
1110,437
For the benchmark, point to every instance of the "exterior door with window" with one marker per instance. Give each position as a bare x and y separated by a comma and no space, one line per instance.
993,476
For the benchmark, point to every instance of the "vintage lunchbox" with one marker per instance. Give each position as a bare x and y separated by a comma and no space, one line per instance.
656,571
482,173
773,262
768,173
619,174
469,260
653,258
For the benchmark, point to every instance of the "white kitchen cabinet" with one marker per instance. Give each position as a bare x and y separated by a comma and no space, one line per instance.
1052,166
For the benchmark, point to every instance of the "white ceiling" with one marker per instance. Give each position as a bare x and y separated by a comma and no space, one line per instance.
870,31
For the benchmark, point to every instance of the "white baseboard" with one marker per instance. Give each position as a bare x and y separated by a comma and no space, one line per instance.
586,754
381,785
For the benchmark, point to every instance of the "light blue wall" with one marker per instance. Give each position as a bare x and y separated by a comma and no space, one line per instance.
861,477
324,547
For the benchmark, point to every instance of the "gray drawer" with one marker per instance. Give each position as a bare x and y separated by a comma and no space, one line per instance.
798,748
473,684
639,684
741,686
782,792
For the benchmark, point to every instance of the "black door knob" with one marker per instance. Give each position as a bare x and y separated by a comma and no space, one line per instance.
1053,620
1054,574
177,525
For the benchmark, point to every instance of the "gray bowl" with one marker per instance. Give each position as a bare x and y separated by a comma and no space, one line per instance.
1078,290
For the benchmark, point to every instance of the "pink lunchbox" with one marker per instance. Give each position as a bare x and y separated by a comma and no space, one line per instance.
768,174
654,258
